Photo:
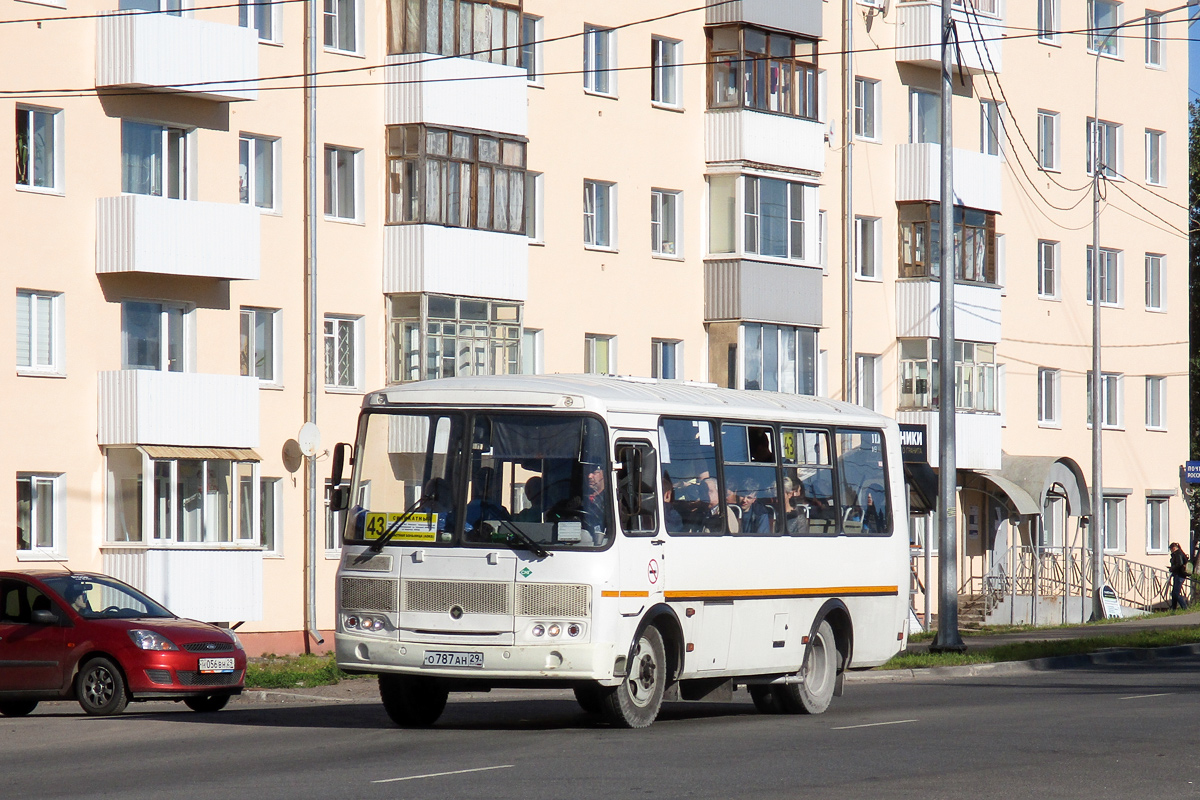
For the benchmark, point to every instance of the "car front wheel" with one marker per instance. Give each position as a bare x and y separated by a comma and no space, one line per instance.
100,688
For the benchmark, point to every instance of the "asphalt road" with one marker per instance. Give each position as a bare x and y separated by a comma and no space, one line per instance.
1115,731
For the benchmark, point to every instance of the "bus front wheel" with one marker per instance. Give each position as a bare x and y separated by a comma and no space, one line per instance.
820,672
635,703
411,701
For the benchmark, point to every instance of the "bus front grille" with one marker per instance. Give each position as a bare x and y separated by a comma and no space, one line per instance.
552,600
368,594
473,597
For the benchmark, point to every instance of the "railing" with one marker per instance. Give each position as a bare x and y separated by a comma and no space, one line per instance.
989,7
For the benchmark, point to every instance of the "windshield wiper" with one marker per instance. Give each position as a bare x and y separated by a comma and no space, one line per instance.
516,535
377,546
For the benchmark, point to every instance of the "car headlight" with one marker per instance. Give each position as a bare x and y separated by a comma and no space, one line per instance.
151,640
237,642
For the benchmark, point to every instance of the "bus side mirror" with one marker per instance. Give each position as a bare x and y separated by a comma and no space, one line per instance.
339,498
339,463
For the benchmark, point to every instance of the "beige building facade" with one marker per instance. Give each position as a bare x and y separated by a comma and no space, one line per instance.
563,187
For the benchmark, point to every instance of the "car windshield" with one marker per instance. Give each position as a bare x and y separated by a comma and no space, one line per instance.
100,597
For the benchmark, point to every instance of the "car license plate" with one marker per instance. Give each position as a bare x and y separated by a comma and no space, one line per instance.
216,665
441,658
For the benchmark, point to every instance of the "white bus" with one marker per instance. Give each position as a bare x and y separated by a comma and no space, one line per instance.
631,539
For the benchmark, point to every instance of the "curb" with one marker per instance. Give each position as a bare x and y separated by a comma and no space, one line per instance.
1116,655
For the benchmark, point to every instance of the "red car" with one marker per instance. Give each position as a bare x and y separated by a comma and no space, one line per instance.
92,638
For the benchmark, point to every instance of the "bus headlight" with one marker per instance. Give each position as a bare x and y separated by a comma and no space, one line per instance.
538,630
573,629
554,629
352,622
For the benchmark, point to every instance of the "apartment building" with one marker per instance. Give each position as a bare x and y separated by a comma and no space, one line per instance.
562,187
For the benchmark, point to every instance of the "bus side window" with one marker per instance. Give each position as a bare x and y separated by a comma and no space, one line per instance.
862,476
637,488
809,501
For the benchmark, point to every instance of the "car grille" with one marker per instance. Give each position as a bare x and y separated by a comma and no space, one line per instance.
209,678
473,597
552,600
159,675
368,594
209,647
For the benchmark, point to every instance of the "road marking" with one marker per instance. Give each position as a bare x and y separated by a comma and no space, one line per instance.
441,774
873,724
1144,696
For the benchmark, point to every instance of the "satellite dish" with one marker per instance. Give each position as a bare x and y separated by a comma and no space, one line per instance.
309,439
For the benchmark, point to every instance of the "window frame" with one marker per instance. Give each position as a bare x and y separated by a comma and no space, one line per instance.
1156,403
1048,16
1111,143
331,15
1105,35
593,191
248,144
1112,277
425,316
1156,151
248,343
666,73
1156,295
1048,260
734,80
918,253
56,172
56,549
249,10
991,127
660,199
1114,411
1049,393
56,325
599,60
1155,46
354,324
187,332
977,374
1118,500
658,365
590,340
868,364
916,127
172,140
867,108
535,207
868,248
1048,140
788,340
533,355
532,28
273,487
333,189
1158,510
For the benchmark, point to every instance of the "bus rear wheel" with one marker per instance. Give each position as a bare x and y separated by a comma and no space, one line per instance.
636,702
822,661
411,701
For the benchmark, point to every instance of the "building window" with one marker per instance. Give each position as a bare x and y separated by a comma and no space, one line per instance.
341,182
1156,403
776,358
1110,277
823,239
448,177
599,214
1155,170
341,25
155,336
153,160
270,515
535,207
1112,399
666,357
925,114
774,218
1114,525
39,332
38,513
1047,143
259,343
599,59
666,74
1158,524
599,354
1049,403
256,173
974,243
533,351
866,381
1154,282
989,127
866,108
343,357
1108,145
1048,270
486,31
665,220
437,336
1047,21
37,147
1103,34
531,48
1154,40
172,8
760,70
263,16
975,370
867,247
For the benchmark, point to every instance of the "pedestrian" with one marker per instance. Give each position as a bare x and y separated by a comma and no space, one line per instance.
1179,573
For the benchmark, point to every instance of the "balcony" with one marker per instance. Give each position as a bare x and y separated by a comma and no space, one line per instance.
739,289
976,311
462,261
455,92
919,36
976,438
187,409
738,135
197,582
140,233
976,176
165,53
797,16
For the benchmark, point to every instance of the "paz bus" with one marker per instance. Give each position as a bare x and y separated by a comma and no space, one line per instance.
631,539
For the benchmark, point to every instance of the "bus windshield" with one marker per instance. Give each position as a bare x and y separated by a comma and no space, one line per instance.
531,481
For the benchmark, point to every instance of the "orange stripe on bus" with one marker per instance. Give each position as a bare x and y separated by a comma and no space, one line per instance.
750,594
624,594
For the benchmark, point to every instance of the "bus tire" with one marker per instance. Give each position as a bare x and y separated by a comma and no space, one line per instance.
412,701
636,701
822,661
766,699
590,698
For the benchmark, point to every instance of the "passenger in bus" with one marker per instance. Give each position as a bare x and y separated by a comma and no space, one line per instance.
755,515
872,520
711,522
796,505
672,519
483,505
533,494
593,513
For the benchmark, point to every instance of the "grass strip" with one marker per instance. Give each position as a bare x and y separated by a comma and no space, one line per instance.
1027,651
292,672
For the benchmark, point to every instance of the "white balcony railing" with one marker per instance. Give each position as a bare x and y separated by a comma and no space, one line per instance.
211,584
976,176
456,92
976,306
980,34
976,439
140,233
187,409
165,53
446,260
761,138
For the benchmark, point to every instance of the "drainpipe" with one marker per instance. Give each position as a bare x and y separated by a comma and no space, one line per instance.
311,328
848,202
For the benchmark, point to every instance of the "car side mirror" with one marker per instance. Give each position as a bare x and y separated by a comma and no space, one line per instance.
44,617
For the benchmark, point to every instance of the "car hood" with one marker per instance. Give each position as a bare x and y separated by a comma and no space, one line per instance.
179,631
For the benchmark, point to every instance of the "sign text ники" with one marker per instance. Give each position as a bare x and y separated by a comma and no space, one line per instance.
913,447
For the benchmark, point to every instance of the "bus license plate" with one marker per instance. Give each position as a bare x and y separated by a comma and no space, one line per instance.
441,658
209,665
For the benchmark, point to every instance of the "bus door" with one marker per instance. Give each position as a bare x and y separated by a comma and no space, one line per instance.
640,546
